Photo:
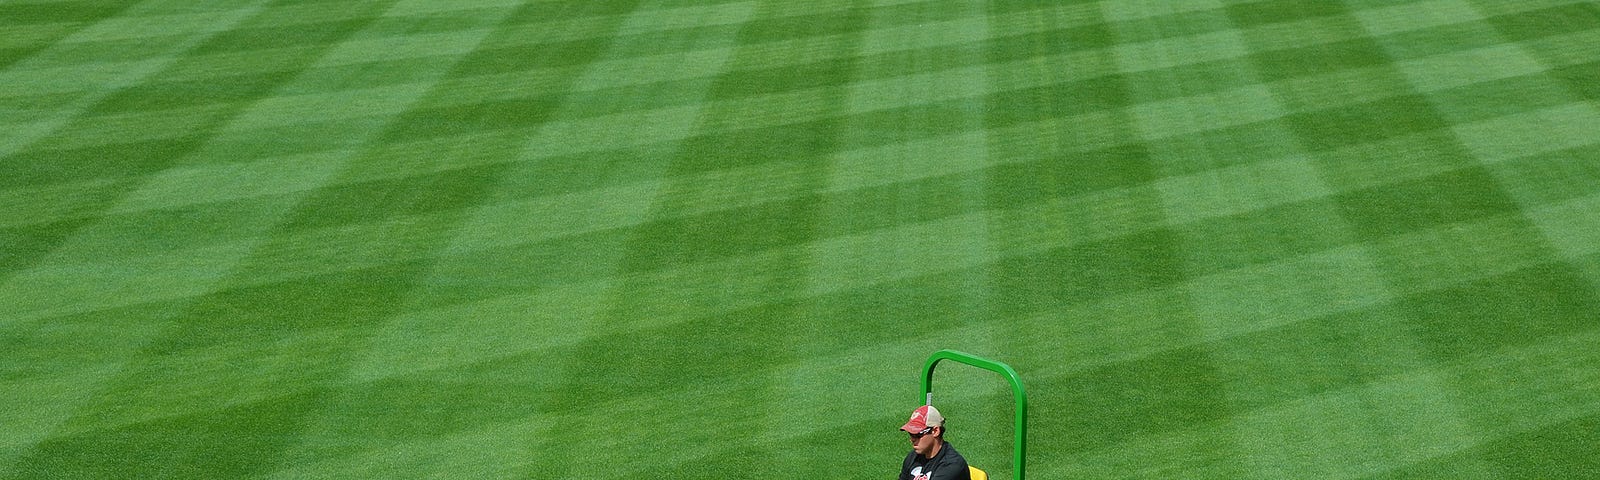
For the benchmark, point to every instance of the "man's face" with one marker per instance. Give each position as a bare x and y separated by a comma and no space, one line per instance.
923,443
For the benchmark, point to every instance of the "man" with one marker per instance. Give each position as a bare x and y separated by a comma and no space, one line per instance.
931,457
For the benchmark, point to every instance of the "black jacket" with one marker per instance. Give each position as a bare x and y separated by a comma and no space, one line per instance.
946,465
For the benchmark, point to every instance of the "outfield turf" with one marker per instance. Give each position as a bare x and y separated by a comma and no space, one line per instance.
717,238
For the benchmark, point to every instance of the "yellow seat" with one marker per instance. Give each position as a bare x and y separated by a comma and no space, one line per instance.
978,474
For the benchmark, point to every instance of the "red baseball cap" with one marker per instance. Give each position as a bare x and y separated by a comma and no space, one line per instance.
922,419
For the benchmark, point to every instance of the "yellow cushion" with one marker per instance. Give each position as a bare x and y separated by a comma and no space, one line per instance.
978,474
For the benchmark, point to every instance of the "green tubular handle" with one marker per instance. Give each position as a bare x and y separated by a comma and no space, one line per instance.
1021,449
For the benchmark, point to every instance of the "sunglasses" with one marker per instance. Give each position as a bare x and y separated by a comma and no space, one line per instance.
918,436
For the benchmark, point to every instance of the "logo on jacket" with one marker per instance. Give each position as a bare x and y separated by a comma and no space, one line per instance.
916,474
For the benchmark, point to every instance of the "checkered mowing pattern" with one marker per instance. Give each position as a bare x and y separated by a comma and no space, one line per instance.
717,238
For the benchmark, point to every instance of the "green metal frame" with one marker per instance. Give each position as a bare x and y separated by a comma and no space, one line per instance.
1021,449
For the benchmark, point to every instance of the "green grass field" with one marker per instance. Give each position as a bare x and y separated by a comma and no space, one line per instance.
717,238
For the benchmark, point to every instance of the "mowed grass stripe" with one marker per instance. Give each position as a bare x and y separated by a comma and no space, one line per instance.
242,56
252,239
1306,288
1570,225
162,264
309,108
223,265
317,100
336,238
336,244
976,333
1361,421
132,34
69,206
1310,49
1423,274
34,244
869,275
155,25
333,238
702,399
245,64
956,335
1552,177
73,117
1364,218
601,258
1491,191
242,64
659,245
540,23
53,368
1139,411
489,177
693,394
90,163
305,178
291,27
780,173
1488,271
887,32
101,85
969,297
48,23
1158,338
1553,440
